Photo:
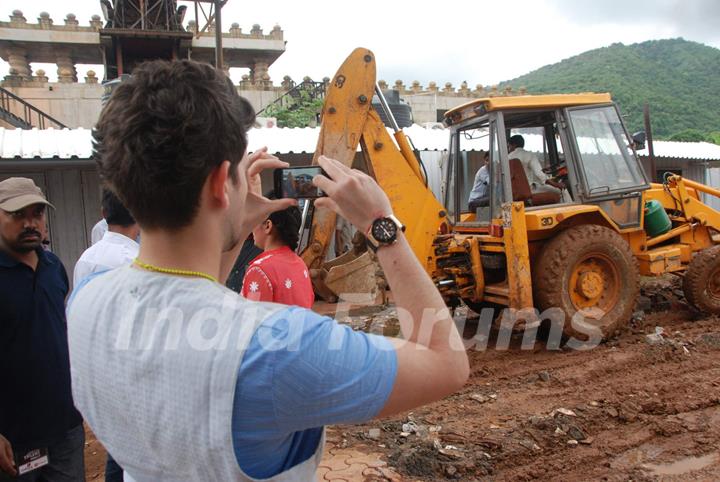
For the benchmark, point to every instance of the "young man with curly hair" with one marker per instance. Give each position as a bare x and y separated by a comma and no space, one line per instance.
182,379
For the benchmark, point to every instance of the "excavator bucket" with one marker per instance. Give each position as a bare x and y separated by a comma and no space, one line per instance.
351,273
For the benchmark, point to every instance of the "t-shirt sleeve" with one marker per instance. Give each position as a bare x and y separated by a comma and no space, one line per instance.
303,370
257,285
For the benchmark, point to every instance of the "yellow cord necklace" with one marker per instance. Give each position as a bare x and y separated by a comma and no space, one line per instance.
174,271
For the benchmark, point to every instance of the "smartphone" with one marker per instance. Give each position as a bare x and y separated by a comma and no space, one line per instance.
296,182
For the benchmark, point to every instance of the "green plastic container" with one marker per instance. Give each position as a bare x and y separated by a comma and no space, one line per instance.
657,221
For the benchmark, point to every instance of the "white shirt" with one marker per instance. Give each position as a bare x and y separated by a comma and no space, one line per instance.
112,251
531,165
98,231
482,179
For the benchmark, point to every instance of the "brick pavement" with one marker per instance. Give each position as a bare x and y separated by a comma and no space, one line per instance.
356,463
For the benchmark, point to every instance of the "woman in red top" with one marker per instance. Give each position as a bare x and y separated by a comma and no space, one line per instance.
278,274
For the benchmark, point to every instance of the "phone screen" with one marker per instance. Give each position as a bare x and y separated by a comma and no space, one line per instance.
296,182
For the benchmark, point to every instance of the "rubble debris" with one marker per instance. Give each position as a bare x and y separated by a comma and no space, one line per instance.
576,433
544,376
530,445
374,433
643,303
410,427
563,411
480,398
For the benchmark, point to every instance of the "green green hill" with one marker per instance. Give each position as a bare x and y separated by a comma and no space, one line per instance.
679,79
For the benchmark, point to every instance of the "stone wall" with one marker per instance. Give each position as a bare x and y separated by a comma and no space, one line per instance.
78,104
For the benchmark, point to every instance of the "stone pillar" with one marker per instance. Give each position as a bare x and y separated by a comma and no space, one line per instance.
276,33
235,30
523,90
71,22
479,90
259,70
211,28
96,22
12,79
91,77
463,90
416,88
399,86
245,83
17,58
256,31
40,76
383,85
45,21
432,87
448,88
17,19
287,83
191,26
66,67
265,82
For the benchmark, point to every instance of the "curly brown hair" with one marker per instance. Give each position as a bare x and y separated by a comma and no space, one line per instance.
161,134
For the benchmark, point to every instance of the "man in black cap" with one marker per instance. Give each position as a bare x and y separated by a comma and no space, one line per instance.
41,433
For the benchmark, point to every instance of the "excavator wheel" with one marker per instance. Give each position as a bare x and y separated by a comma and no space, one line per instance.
702,281
589,270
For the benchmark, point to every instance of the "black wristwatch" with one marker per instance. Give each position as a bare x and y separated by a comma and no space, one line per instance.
383,231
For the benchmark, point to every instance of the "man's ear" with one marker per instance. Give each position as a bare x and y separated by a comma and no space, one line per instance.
217,184
267,226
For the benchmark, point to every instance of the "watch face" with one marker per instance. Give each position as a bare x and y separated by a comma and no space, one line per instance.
384,230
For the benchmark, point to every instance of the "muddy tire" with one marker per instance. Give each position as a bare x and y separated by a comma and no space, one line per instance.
702,281
588,269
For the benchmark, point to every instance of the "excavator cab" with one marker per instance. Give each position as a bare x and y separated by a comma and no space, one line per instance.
584,149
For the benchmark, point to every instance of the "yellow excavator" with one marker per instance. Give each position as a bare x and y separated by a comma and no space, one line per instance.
577,249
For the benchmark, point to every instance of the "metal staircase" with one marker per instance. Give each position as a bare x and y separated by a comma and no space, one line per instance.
23,115
290,100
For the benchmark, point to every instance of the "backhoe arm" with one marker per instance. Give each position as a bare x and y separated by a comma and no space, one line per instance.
348,120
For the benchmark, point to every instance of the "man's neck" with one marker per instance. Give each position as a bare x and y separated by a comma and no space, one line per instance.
190,249
271,244
127,231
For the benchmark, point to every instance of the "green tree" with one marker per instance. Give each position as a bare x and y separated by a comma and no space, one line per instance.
714,137
689,135
679,79
301,113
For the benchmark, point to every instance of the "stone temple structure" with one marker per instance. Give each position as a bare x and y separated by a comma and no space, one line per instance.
130,32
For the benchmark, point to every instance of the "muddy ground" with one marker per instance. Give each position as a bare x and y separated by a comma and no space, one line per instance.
636,408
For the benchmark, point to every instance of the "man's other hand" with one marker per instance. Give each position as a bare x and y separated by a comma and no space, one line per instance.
352,194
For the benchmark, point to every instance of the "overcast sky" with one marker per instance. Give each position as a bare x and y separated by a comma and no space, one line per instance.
478,41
